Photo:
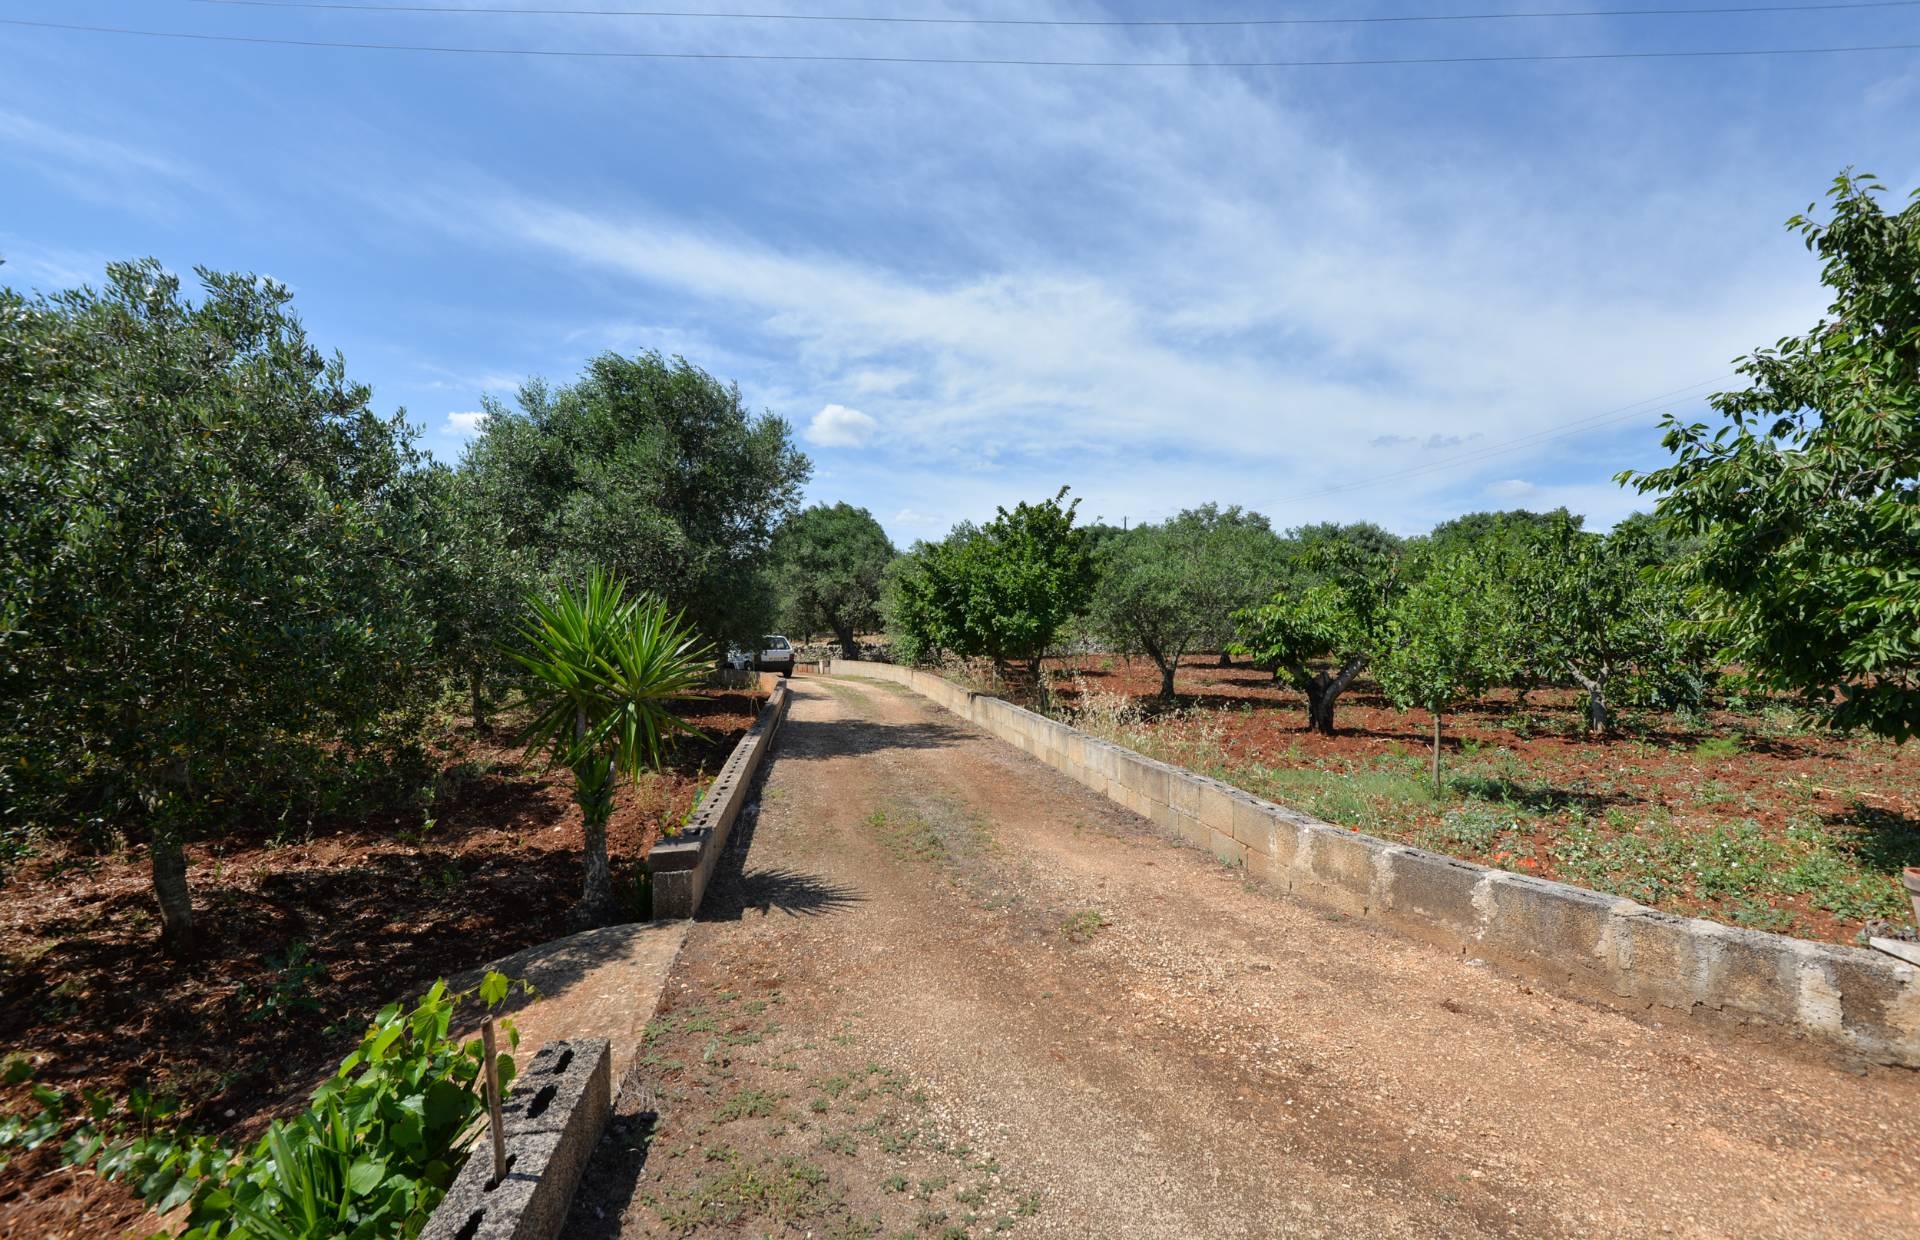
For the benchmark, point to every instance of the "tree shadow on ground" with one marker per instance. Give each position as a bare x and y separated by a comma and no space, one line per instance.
809,739
379,929
789,891
1536,798
736,887
1884,839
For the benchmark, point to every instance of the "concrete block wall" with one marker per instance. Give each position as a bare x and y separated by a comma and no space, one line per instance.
1861,1002
550,1123
682,866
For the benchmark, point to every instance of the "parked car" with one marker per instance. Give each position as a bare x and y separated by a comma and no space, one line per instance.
737,660
775,655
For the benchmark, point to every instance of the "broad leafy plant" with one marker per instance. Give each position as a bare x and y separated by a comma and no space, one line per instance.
605,670
371,1156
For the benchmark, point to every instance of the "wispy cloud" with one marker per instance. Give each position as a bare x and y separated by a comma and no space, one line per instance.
465,424
87,165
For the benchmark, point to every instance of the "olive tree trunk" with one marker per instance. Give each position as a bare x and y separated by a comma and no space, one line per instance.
477,689
170,889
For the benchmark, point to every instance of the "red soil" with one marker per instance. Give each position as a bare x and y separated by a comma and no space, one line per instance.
382,909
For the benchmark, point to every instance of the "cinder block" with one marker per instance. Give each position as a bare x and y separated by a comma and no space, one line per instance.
1183,792
1652,956
1260,865
1343,859
1547,925
1879,1004
1437,891
1226,849
1216,807
1750,974
551,1122
1152,780
1253,825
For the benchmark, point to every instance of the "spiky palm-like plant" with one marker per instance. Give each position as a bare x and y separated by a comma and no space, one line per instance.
605,670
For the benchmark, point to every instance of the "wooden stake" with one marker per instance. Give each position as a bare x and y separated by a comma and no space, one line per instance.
1436,751
494,1122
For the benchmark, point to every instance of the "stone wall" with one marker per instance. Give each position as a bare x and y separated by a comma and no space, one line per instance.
1862,1002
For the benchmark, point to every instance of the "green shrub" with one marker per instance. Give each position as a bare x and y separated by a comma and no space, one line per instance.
371,1156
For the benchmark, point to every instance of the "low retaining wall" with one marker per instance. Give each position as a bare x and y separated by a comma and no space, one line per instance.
682,866
1861,1001
552,1120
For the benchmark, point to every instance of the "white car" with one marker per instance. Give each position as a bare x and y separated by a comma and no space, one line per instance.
775,655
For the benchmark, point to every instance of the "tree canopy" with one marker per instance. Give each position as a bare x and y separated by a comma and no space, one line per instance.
654,470
1443,639
1171,588
211,565
828,564
999,591
1805,499
1323,628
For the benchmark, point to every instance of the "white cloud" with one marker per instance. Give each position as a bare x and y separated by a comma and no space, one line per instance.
466,423
1230,297
837,426
1511,488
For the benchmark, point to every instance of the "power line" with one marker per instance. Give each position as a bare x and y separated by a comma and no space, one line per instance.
891,19
604,54
1566,430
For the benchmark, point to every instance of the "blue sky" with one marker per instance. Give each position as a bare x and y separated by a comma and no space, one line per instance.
1385,292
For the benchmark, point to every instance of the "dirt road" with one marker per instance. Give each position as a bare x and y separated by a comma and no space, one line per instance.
945,991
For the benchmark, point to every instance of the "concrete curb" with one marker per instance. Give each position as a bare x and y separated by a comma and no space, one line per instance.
1862,1002
552,1120
683,865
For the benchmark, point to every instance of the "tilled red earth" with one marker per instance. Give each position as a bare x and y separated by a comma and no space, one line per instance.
1862,792
379,908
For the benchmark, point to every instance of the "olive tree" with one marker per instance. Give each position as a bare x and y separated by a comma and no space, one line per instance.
651,468
828,565
1170,588
212,552
479,589
1804,500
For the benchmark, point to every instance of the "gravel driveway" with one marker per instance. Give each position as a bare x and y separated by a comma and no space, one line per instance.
942,990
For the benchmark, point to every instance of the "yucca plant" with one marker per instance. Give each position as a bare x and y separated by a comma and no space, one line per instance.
605,670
